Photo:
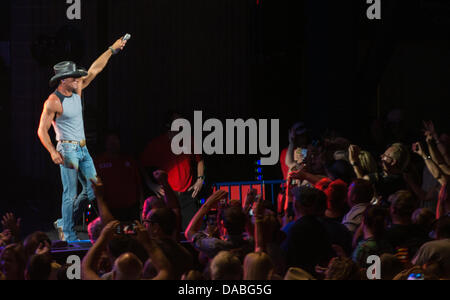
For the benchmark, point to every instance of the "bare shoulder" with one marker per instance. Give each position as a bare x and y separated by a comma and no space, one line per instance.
53,104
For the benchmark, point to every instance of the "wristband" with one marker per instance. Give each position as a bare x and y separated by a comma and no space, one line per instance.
201,177
114,52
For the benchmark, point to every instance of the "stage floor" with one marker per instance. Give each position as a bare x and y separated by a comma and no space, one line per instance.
81,233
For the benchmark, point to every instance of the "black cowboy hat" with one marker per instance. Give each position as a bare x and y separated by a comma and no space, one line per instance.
67,69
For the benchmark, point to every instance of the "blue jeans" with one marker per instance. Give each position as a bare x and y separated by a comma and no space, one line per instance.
78,166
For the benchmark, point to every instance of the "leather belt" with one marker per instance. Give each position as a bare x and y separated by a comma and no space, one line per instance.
81,143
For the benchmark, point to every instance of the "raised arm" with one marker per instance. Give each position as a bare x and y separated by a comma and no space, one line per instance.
101,63
196,222
51,107
437,157
157,256
105,214
302,175
431,165
170,198
289,161
430,133
353,152
10,223
88,266
260,245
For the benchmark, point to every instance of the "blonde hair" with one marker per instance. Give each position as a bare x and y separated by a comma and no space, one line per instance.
226,266
258,266
368,163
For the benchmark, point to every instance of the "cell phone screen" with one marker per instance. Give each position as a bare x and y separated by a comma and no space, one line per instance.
304,153
127,229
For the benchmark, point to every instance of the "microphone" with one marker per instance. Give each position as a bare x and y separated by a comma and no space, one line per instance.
126,37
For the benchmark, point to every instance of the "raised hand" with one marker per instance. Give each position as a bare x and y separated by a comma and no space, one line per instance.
429,130
10,222
142,235
215,198
353,152
250,198
259,207
292,135
119,44
98,187
296,175
417,148
110,229
43,248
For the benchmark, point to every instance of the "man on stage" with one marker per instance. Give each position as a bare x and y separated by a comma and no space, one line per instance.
63,110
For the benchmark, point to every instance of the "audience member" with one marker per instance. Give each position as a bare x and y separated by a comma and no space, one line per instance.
391,265
335,217
298,140
394,162
336,192
161,225
360,194
374,230
127,266
226,266
233,237
38,243
424,218
438,250
258,266
404,236
307,243
13,262
343,268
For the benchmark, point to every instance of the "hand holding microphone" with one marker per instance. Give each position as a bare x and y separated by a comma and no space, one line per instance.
120,44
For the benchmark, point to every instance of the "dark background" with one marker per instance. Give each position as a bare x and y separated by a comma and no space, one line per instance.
320,61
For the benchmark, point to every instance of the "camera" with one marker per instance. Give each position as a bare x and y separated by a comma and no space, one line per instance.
126,229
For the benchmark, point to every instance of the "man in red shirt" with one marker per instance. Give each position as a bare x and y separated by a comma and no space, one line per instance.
186,172
121,179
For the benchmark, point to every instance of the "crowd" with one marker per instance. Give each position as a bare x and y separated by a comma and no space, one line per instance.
340,207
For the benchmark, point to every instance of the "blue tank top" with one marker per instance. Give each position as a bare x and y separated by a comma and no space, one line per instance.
69,126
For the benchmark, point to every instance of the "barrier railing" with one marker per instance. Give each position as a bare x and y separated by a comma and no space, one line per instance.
242,186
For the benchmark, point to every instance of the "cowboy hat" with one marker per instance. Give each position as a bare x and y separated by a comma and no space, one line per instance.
67,69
